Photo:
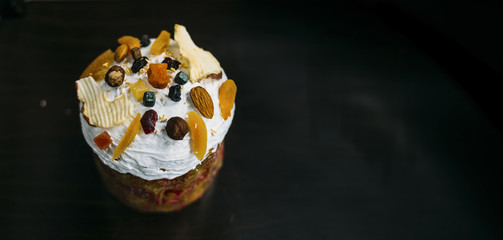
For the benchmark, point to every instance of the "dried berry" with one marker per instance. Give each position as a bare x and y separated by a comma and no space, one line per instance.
115,76
139,64
177,128
148,121
181,78
172,63
103,140
149,99
144,40
175,93
136,53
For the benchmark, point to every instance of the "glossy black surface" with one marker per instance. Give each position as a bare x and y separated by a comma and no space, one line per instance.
359,121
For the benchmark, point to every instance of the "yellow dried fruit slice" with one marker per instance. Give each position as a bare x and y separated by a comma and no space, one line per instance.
99,66
130,41
128,137
138,89
201,63
198,133
97,110
161,43
226,97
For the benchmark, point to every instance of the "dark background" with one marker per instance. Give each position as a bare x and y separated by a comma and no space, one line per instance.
374,119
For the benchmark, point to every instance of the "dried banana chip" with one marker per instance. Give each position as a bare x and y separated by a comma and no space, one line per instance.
97,110
201,63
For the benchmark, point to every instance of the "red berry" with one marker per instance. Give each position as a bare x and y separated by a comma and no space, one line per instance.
148,121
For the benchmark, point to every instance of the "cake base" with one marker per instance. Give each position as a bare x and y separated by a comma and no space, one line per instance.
162,195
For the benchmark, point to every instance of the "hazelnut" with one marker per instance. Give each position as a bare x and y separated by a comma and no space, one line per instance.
177,128
115,76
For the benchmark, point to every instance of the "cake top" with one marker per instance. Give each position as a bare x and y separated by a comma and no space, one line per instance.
155,108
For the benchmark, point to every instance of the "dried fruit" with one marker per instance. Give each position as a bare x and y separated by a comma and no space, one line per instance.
198,133
99,66
128,137
157,75
172,63
175,93
136,53
144,40
121,52
176,128
202,100
138,89
148,121
149,99
130,41
139,64
181,78
115,76
103,140
97,110
226,97
201,63
161,43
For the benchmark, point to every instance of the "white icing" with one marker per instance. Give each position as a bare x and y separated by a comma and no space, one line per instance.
156,155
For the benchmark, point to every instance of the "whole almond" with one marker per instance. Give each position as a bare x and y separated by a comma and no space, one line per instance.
202,101
177,128
121,52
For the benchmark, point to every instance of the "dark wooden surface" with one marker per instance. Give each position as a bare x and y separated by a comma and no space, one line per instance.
360,121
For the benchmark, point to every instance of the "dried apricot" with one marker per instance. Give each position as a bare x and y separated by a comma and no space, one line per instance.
130,41
198,132
161,43
226,97
128,137
138,89
103,140
157,75
99,66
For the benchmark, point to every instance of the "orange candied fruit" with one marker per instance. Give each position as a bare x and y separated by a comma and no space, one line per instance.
157,75
103,140
198,133
161,43
130,41
226,97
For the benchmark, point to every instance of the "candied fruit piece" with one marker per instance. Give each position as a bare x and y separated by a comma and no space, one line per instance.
149,99
99,66
138,89
103,140
128,137
181,78
198,132
161,43
226,97
148,121
130,41
157,75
